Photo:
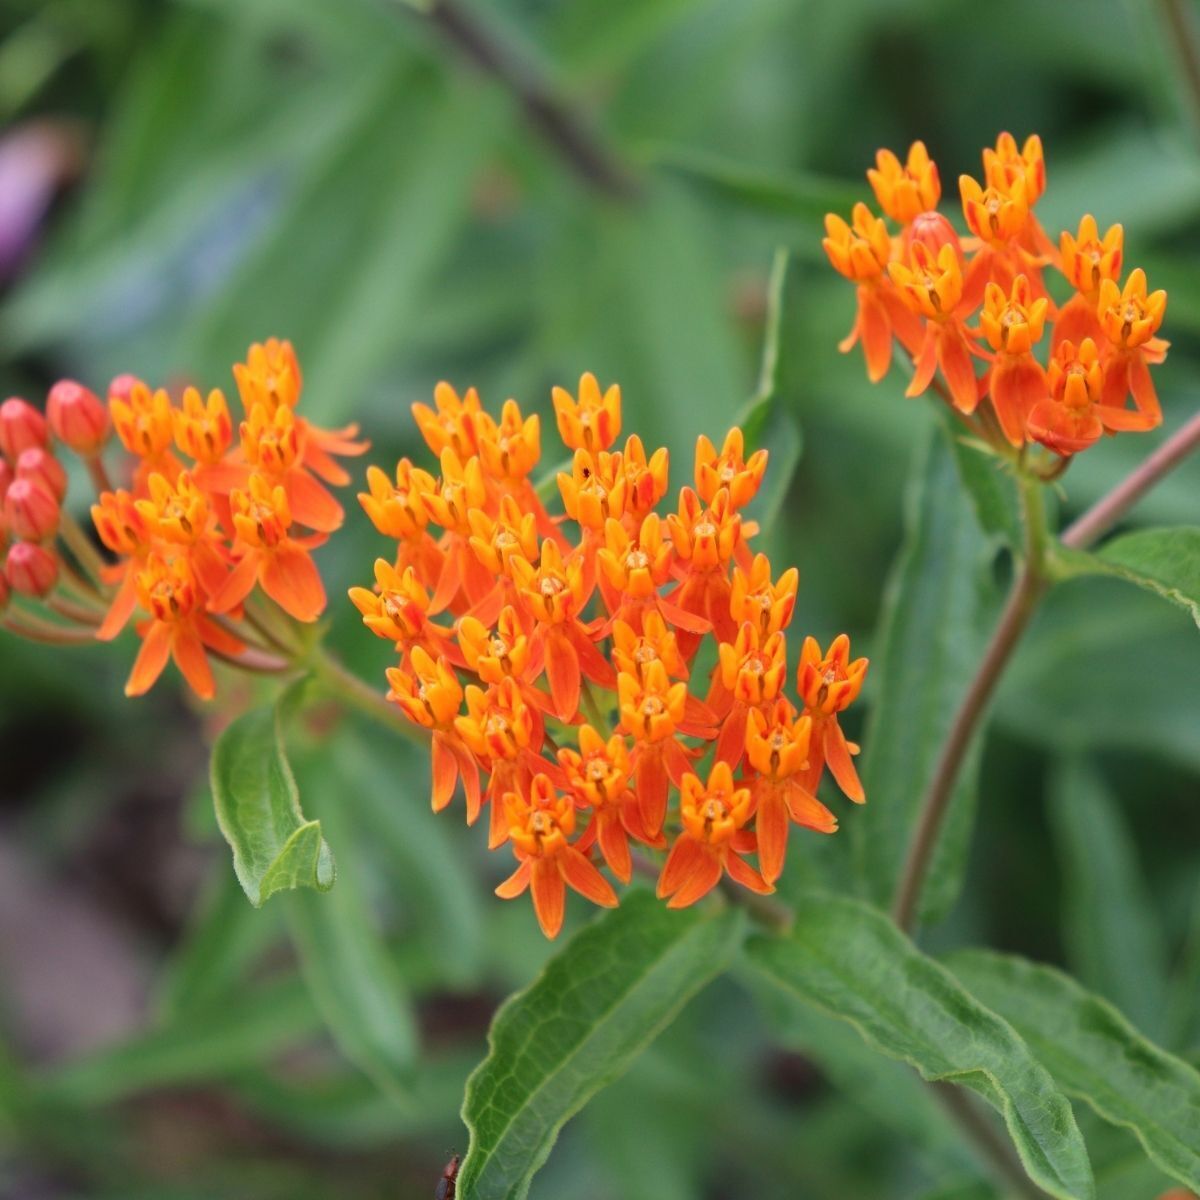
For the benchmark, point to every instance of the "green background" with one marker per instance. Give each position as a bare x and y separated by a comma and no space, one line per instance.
340,174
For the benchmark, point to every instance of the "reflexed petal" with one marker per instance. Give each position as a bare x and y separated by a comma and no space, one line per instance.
772,825
188,652
549,895
837,755
585,879
290,577
151,659
445,772
742,872
515,884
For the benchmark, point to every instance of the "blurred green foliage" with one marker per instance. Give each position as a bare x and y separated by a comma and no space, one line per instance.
339,174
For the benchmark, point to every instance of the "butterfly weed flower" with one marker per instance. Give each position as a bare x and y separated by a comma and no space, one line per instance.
983,300
204,543
610,682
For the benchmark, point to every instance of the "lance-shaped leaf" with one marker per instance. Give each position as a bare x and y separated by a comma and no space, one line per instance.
258,810
1094,1053
849,960
597,1004
1163,561
932,634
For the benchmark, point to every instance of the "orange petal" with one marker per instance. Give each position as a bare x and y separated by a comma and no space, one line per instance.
742,872
731,745
238,584
585,879
549,895
151,659
876,334
1142,386
311,502
290,577
562,670
959,372
121,608
681,863
614,845
445,772
1016,388
515,884
772,825
704,876
837,755
188,652
805,809
924,365
652,786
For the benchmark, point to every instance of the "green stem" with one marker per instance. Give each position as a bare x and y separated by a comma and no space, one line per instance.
344,686
591,706
1027,590
81,547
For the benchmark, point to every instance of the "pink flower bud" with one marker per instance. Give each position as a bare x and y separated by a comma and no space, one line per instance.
30,510
77,417
31,570
932,230
42,467
122,386
21,426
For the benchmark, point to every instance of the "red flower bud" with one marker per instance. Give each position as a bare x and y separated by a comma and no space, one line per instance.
122,386
21,426
42,467
30,510
31,570
77,417
932,230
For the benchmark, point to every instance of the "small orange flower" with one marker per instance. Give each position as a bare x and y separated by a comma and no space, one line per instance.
592,422
715,815
828,684
1004,165
397,611
456,423
496,654
1130,318
905,191
1013,325
400,510
269,556
178,628
123,530
203,429
729,469
595,489
1087,261
705,539
750,673
645,479
765,605
540,822
179,513
777,750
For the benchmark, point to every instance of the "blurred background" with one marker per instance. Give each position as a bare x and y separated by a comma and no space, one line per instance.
505,195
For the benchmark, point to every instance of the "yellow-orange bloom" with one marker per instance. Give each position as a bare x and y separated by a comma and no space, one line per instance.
997,214
512,448
1013,324
905,191
1088,259
595,489
859,250
203,428
754,598
1130,316
399,510
143,421
456,423
495,654
730,469
592,422
1006,164
828,684
269,377
645,479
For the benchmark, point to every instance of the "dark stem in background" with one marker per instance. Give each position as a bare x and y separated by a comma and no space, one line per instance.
1181,33
546,111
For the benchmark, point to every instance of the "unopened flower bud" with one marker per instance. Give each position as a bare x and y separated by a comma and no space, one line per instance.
21,426
933,230
31,511
42,467
77,417
122,387
30,569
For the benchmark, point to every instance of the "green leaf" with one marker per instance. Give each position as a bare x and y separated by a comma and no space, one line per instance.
1094,1053
598,1003
1112,932
850,961
932,633
258,809
1163,561
343,958
768,418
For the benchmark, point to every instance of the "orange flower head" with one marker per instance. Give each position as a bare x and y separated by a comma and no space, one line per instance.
639,566
167,590
755,599
1075,377
593,421
705,537
398,510
143,421
261,514
513,447
1006,164
651,706
496,541
998,213
456,423
119,524
860,250
905,191
932,286
599,771
271,442
729,469
645,480
777,740
553,590
495,655
498,725
1013,324
540,822
460,489
395,610
1088,259
633,653
715,811
270,377
175,512
427,692
1130,316
203,428
829,683
753,670
595,489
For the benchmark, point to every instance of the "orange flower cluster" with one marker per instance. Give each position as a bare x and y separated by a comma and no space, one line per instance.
581,713
923,284
206,517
